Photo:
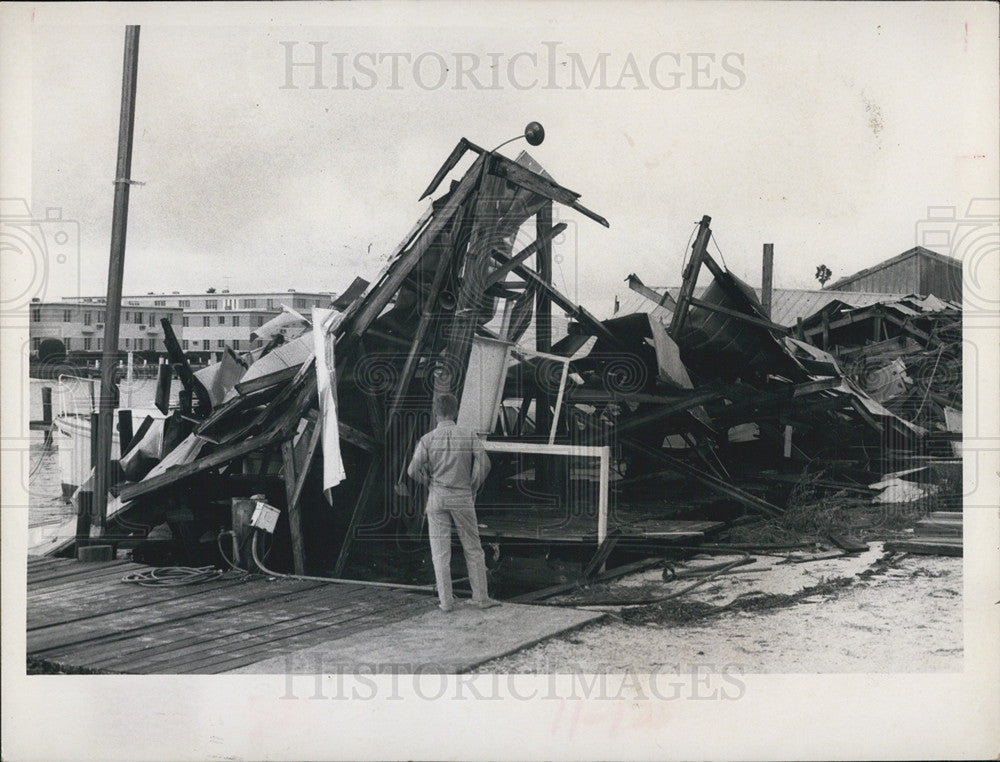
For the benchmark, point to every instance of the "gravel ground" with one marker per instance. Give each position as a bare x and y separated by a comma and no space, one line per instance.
864,613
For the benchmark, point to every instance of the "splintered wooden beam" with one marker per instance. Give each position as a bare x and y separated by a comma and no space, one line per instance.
677,406
511,171
501,166
386,290
663,300
742,316
712,482
528,251
574,310
449,164
220,457
699,251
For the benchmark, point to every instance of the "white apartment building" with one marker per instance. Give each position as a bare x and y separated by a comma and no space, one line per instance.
212,321
79,325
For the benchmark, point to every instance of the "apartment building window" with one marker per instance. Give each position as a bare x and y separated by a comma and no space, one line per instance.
206,321
236,343
184,321
221,343
100,345
211,304
88,344
36,343
138,317
87,317
36,314
249,304
229,304
100,317
126,316
67,316
298,303
236,321
133,304
159,302
222,319
184,303
128,343
184,345
270,304
260,320
68,342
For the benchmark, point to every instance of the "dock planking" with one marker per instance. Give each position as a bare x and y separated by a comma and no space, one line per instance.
81,615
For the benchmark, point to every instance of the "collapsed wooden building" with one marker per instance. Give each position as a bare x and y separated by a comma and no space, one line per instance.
642,431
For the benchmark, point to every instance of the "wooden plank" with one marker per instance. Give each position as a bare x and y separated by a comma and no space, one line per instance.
94,600
208,632
142,617
662,300
501,166
261,651
934,546
78,569
260,633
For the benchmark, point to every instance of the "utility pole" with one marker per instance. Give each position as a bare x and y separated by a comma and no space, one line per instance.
116,268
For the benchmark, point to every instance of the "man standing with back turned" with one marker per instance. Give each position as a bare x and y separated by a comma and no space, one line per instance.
452,462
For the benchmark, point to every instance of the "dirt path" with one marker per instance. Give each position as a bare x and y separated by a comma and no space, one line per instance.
851,614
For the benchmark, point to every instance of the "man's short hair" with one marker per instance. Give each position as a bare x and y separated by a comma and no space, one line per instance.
446,406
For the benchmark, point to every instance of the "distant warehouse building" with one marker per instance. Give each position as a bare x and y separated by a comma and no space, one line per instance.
917,271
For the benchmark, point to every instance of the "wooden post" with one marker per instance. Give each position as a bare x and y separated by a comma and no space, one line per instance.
294,517
47,413
125,431
698,249
116,267
826,330
766,280
47,405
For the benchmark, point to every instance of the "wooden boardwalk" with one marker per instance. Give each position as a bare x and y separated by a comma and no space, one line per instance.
82,615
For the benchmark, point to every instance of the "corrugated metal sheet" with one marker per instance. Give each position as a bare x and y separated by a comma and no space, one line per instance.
787,304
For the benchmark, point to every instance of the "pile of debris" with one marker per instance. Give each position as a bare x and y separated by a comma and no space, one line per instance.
633,431
905,353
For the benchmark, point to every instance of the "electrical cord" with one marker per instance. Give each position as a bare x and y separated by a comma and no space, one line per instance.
335,580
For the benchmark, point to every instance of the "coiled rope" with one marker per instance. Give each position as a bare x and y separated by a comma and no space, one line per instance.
173,576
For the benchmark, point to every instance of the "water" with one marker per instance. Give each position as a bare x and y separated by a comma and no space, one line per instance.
45,501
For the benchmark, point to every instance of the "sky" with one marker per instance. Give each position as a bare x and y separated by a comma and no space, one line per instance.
825,129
